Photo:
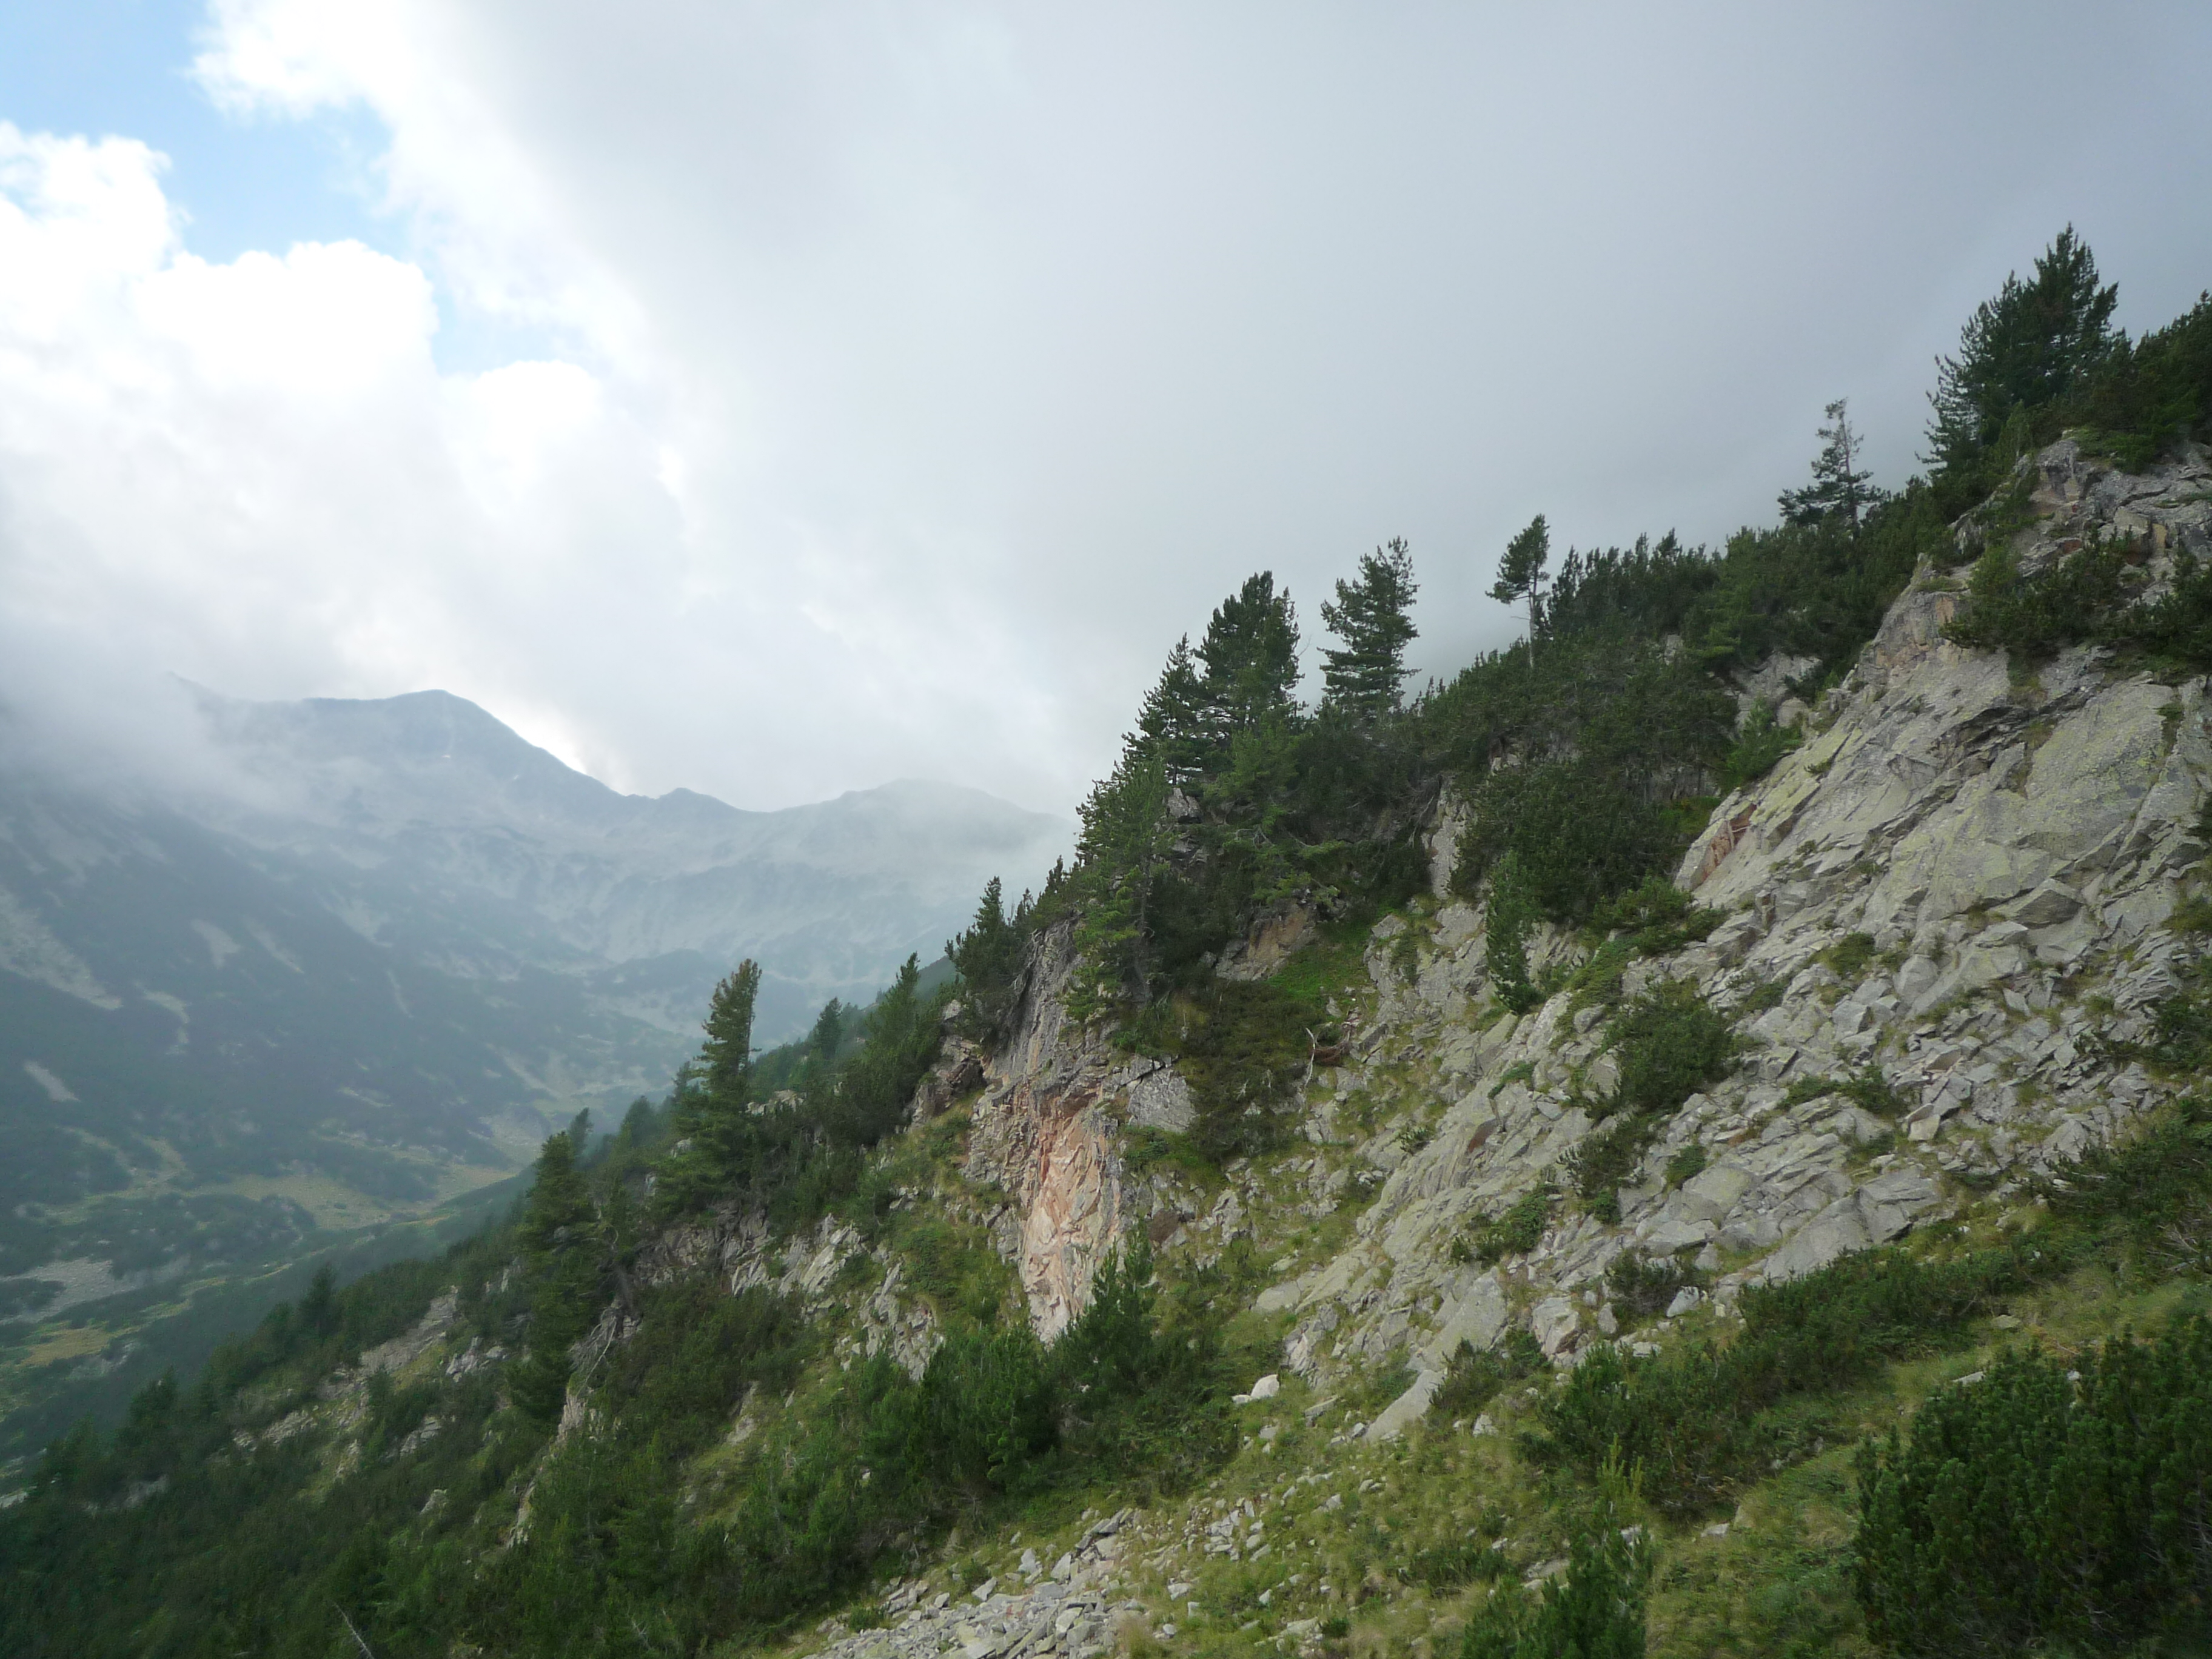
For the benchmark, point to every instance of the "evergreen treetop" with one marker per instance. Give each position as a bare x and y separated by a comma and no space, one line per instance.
1250,657
1372,617
1177,721
1840,488
728,1050
2024,349
1521,571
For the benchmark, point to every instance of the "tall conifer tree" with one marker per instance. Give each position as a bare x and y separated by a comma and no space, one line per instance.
1840,489
1250,656
1521,576
1125,834
1372,617
561,1252
1173,721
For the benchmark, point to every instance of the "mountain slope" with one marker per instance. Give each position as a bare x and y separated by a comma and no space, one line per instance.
363,962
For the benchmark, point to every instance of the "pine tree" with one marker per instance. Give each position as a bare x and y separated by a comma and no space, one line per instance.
319,1313
1840,488
712,1128
828,1033
561,1251
1511,912
1520,575
1173,721
986,954
1126,834
1370,617
728,1050
1251,658
2019,353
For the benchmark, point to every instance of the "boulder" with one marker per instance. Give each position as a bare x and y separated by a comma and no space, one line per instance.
1710,1193
1477,1319
1837,1232
1408,1407
1161,1100
2051,902
1555,1323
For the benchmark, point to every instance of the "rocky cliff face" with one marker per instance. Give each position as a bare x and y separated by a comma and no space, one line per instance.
1960,881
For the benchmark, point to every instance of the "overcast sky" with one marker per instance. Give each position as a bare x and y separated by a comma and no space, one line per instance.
775,400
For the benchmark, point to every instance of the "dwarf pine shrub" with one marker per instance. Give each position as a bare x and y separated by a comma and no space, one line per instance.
1595,1610
2040,1509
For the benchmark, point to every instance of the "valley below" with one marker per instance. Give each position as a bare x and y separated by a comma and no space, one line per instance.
321,983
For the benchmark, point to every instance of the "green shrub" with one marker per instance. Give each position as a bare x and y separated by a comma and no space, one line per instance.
2029,1512
1696,1417
1579,835
1866,1087
2176,630
1642,1287
1759,745
1450,1564
1656,917
2034,616
1243,1047
2148,1194
2181,1029
1516,1229
1765,994
1602,1164
1473,1378
2192,915
1669,1043
1595,1610
954,1267
1147,1148
1686,1165
1849,957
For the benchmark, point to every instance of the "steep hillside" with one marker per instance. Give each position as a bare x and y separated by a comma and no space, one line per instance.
1431,1176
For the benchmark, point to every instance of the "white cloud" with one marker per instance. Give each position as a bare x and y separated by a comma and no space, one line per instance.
899,380
253,474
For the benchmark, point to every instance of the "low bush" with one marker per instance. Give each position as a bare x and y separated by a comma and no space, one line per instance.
2086,596
1656,916
1243,1048
1693,1418
1605,1160
1642,1287
1669,1043
2034,616
2148,1195
2180,1043
1866,1088
1595,1610
1448,1566
1761,744
1515,1230
2036,1510
1849,957
1473,1378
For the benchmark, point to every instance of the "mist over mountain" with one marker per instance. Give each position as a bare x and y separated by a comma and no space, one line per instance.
343,960
427,802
